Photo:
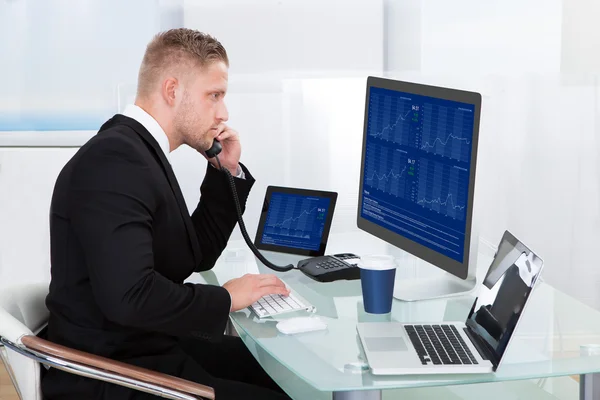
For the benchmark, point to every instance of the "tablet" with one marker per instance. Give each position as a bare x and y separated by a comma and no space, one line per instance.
295,221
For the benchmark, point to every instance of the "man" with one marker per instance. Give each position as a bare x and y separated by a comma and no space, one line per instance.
122,241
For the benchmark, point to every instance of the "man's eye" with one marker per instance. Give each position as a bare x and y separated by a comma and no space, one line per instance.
216,96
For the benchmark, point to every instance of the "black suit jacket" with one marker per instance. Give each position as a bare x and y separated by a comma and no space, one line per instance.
123,242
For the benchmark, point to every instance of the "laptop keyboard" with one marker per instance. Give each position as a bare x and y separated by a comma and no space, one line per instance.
439,344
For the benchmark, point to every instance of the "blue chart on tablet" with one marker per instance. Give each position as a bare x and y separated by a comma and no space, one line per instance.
295,221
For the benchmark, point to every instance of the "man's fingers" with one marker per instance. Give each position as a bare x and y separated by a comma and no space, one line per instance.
220,128
227,134
273,290
271,280
267,278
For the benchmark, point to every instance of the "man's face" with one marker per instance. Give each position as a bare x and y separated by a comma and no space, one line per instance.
202,107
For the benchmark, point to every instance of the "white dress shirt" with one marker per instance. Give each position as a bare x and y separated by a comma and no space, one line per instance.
148,122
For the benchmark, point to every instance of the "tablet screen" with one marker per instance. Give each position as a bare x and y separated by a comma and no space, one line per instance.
295,221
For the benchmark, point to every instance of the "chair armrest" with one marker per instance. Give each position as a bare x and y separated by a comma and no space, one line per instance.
130,371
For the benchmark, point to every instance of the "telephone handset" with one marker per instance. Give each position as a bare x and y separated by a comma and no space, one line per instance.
214,150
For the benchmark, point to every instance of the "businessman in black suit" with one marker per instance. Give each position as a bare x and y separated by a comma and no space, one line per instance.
123,242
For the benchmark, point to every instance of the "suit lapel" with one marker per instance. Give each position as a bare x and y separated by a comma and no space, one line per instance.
166,166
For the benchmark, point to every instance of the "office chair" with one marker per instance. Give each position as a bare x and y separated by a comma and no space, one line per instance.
23,313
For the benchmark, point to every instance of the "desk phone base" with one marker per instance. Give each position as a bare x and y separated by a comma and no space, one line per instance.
331,268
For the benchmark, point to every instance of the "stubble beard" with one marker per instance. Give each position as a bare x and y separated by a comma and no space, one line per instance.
184,122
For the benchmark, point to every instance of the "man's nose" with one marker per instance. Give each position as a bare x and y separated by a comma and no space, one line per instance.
222,113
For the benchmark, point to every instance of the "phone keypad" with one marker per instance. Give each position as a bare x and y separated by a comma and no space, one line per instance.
331,263
349,258
345,256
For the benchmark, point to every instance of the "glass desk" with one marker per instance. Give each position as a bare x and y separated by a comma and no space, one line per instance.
547,342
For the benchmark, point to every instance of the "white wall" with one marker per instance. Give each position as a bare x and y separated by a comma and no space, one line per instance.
62,60
466,37
293,37
581,42
26,181
535,64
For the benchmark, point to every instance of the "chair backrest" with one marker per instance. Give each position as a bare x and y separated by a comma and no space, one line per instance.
23,312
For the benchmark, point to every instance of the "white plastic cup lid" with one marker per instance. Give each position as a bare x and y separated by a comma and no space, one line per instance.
377,262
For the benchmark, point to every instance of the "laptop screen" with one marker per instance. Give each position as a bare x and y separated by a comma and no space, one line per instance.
506,289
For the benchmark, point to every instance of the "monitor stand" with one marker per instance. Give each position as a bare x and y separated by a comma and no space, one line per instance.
432,288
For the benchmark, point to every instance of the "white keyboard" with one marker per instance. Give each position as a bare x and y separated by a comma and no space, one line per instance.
275,304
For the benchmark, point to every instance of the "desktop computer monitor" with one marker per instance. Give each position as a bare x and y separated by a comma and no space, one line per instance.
417,177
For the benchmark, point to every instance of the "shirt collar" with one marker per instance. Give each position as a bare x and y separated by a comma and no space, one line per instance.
148,122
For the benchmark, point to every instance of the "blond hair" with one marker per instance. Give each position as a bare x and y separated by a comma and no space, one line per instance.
177,48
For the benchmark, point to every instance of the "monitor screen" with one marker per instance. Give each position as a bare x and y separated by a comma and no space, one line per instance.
295,220
418,168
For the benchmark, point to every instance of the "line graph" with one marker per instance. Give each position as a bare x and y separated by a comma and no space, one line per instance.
439,201
281,224
389,175
387,170
443,188
444,142
389,118
392,126
295,220
447,131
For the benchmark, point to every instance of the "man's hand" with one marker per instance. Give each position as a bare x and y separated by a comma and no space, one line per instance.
232,149
249,288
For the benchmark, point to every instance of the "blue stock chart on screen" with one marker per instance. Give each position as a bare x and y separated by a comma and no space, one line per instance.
295,221
417,168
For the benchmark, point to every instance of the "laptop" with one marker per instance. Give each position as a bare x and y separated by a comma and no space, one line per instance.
476,345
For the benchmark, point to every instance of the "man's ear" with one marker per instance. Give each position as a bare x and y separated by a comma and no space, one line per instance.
170,91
